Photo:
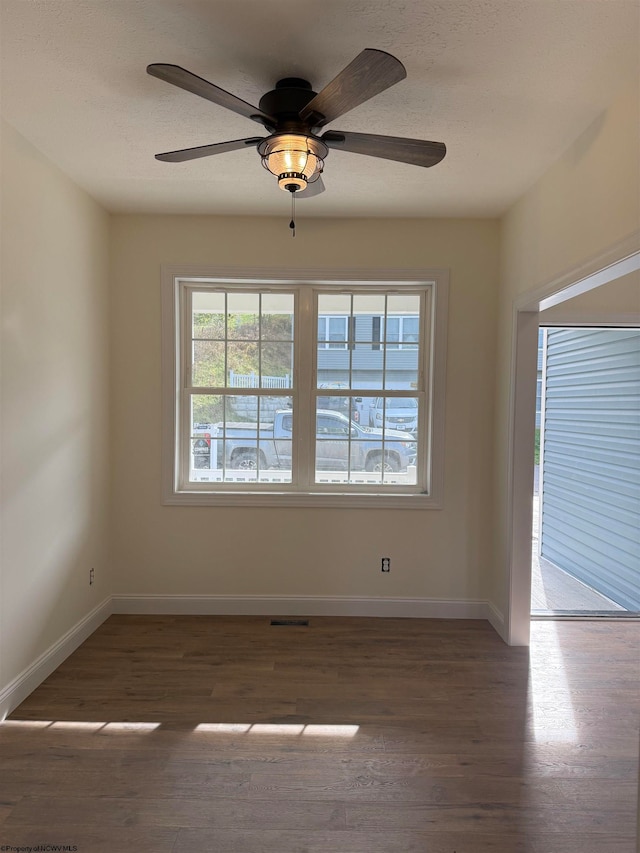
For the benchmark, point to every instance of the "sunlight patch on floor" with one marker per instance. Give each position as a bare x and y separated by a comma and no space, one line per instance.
281,729
553,715
80,726
286,729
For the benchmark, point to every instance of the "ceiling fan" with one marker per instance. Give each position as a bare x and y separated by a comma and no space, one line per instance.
294,115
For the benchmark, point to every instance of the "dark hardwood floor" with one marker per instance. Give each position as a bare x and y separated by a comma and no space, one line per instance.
191,734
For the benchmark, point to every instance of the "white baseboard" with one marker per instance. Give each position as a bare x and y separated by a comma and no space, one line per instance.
291,605
25,683
496,619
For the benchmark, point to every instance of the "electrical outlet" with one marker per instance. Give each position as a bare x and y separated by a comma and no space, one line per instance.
91,576
386,564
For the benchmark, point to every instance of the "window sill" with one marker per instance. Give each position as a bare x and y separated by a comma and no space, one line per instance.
333,500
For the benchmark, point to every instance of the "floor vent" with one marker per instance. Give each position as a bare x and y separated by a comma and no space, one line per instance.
291,623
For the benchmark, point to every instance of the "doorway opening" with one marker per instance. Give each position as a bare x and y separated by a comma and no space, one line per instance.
586,501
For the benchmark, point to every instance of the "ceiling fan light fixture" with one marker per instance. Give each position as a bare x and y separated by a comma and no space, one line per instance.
295,159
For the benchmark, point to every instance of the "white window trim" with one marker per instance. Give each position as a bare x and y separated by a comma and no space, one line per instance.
435,385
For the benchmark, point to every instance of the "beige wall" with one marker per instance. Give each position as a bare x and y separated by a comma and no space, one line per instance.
305,552
582,207
587,202
54,413
616,302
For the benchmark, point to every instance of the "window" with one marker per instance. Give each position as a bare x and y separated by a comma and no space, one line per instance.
248,364
333,332
401,332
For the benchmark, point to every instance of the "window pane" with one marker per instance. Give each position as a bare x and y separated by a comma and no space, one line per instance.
337,328
349,452
277,317
237,448
367,366
368,308
394,425
208,364
404,304
393,459
240,409
396,413
392,330
276,365
349,407
242,316
206,409
247,408
336,304
206,413
277,440
242,364
410,330
337,331
405,309
401,369
333,365
241,438
332,445
334,310
208,315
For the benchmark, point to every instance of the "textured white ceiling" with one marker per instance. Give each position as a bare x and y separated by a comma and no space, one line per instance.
508,85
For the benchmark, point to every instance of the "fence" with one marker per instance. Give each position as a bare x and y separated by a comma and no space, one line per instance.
252,380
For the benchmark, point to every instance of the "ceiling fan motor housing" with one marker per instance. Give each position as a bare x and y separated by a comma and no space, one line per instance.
290,96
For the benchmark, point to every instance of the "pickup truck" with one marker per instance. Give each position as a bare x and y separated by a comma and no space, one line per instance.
241,445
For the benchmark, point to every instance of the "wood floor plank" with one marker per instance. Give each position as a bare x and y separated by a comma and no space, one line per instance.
7,804
352,735
89,838
401,841
493,818
352,842
230,812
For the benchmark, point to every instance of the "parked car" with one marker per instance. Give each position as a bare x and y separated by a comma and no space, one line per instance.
399,413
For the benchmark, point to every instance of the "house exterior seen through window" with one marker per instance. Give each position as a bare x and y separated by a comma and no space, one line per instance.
287,388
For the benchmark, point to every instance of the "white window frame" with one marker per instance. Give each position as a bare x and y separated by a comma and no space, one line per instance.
431,468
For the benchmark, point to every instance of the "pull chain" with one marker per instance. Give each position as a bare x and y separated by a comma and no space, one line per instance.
292,224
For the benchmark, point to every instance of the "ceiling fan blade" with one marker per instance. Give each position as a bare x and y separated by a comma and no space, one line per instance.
184,79
370,73
417,152
207,150
314,188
